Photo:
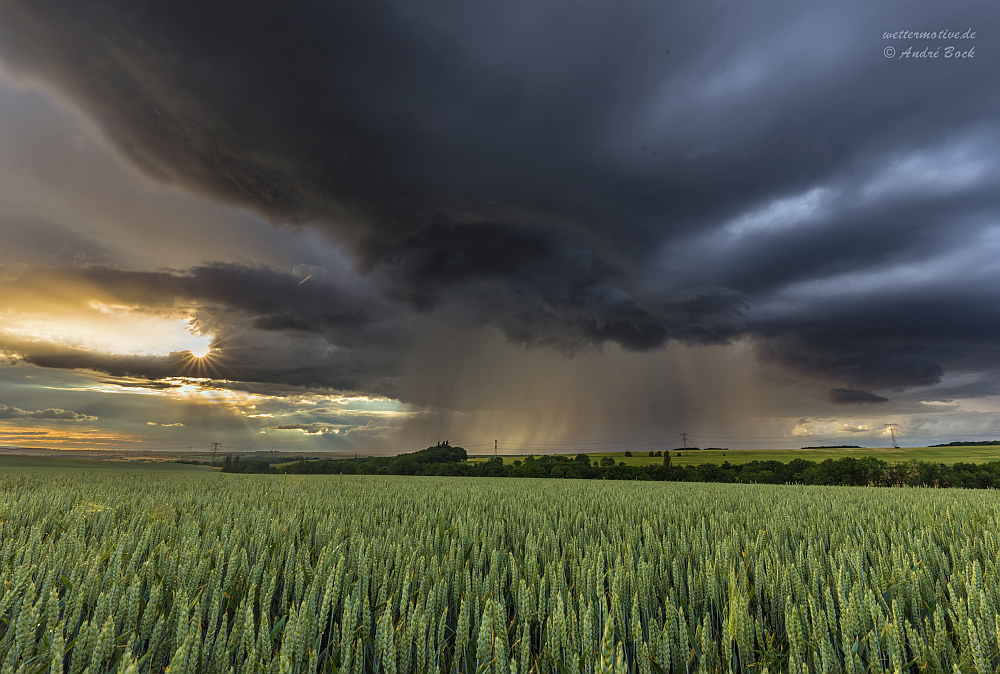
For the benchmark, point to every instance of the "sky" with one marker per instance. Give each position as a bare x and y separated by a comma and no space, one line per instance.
369,227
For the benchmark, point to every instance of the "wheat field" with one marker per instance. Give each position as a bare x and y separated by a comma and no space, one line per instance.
216,573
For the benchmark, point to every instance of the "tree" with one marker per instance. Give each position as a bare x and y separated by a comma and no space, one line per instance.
666,460
607,461
628,453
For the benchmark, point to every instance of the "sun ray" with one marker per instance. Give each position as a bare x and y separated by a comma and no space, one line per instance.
205,366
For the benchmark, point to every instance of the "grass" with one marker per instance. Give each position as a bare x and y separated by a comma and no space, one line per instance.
945,455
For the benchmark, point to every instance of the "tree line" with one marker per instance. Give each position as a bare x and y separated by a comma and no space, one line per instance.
446,460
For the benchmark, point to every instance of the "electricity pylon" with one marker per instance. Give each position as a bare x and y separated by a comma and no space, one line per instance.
892,431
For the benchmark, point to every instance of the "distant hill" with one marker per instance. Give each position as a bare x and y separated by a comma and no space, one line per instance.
835,447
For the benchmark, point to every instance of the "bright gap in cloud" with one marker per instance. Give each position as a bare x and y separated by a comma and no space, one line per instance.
945,169
111,330
836,427
985,405
780,214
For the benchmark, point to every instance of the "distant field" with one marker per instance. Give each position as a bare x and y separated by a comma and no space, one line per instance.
946,455
12,462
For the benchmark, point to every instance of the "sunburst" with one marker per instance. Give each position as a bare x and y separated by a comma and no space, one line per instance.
204,365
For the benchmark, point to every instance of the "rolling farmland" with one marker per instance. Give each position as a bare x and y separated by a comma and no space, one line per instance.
200,572
946,455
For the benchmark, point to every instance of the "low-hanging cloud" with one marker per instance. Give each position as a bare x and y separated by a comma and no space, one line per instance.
50,414
308,429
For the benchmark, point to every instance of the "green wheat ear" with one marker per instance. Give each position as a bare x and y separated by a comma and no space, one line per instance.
607,665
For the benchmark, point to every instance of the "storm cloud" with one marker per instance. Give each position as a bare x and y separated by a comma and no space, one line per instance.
574,175
846,396
269,327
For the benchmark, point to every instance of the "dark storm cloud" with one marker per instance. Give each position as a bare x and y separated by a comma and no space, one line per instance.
846,396
248,361
540,286
898,338
880,364
379,125
272,300
132,382
270,328
574,174
50,414
227,296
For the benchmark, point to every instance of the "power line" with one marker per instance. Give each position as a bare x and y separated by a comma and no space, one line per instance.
690,436
591,442
679,438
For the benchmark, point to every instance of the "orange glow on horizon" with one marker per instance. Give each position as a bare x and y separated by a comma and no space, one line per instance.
38,436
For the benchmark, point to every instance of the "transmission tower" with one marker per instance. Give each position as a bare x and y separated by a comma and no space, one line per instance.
215,449
892,428
685,437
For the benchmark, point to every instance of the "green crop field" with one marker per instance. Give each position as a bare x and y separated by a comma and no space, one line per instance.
946,455
218,573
